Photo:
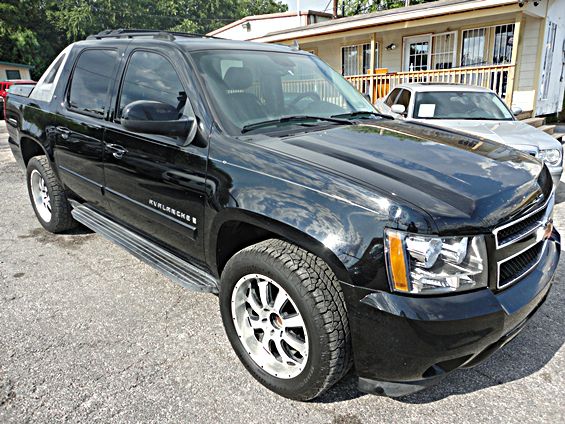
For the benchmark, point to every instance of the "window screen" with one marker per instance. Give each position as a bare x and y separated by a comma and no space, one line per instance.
149,76
91,81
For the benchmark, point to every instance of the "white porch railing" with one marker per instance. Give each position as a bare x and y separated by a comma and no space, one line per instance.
499,78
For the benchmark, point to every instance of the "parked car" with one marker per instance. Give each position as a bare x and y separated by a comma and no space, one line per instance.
473,110
6,85
333,235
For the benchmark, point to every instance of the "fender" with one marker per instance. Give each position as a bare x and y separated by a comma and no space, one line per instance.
322,212
280,230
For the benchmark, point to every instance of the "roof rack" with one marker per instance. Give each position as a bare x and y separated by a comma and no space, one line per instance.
131,33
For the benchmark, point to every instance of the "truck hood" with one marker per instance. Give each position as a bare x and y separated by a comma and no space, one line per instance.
463,183
512,133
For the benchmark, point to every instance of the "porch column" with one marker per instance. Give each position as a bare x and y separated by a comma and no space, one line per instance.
514,60
372,70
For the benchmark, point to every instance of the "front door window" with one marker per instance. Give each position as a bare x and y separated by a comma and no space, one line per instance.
417,53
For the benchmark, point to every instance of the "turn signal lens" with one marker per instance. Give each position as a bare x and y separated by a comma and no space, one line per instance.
397,261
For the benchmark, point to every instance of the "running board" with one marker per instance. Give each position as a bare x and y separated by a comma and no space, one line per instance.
168,264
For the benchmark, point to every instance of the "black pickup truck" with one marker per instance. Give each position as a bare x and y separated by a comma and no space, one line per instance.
334,236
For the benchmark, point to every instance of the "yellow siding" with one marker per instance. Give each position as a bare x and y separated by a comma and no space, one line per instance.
24,72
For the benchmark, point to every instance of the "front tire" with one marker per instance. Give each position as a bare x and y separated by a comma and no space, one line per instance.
48,197
284,314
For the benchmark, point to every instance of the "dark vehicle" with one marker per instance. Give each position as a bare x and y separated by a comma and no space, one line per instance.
333,236
22,87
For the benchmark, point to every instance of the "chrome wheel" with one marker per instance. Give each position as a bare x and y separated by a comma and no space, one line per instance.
269,326
40,195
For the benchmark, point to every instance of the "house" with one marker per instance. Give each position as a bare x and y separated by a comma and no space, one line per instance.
515,47
14,71
257,26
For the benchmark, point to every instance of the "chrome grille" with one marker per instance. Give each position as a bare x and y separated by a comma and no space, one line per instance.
516,267
527,230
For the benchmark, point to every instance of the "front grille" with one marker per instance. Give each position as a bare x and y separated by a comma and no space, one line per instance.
516,267
520,228
528,232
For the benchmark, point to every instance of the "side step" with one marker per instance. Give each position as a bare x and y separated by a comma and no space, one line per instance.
178,270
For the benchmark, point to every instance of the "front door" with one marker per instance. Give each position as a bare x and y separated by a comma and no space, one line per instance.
417,53
78,128
154,183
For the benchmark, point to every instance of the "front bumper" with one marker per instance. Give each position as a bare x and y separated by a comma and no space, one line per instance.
403,344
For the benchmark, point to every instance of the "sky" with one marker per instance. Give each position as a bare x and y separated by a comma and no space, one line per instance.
309,4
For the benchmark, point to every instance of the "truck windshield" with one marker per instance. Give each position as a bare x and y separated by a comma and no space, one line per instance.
252,87
460,105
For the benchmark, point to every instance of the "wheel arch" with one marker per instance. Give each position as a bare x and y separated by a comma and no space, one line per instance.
239,229
30,147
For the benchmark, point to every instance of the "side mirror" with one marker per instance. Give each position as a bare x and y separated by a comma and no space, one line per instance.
398,109
516,110
367,97
151,117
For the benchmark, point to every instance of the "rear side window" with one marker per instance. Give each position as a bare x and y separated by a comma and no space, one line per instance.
392,97
150,76
50,77
91,81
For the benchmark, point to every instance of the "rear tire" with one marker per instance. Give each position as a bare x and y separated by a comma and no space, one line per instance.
313,318
48,197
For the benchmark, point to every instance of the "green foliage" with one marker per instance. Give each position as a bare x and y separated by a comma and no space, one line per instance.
357,7
34,31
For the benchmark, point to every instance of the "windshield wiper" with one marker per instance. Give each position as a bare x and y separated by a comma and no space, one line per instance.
361,113
293,118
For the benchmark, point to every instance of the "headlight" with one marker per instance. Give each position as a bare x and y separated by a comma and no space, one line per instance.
421,264
550,156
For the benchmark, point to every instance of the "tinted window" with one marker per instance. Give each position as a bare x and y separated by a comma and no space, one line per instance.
404,98
392,97
91,81
150,76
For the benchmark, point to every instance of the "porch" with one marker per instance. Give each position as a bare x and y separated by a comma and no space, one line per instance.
495,44
499,78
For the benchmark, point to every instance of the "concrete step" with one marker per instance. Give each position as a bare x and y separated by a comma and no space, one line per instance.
524,115
550,129
558,136
534,122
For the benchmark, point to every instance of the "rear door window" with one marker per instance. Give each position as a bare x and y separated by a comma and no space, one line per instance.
91,81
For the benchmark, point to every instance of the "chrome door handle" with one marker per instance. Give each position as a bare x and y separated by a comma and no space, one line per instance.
65,132
117,151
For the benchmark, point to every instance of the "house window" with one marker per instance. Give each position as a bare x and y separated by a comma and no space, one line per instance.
367,57
444,50
487,46
474,47
356,60
503,41
13,74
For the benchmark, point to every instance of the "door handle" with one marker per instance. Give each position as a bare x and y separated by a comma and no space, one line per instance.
64,131
117,151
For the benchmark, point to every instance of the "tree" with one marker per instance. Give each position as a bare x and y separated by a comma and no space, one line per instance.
358,7
34,31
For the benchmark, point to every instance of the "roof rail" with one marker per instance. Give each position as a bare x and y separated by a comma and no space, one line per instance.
130,33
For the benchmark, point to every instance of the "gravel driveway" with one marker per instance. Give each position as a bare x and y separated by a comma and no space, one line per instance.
88,333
